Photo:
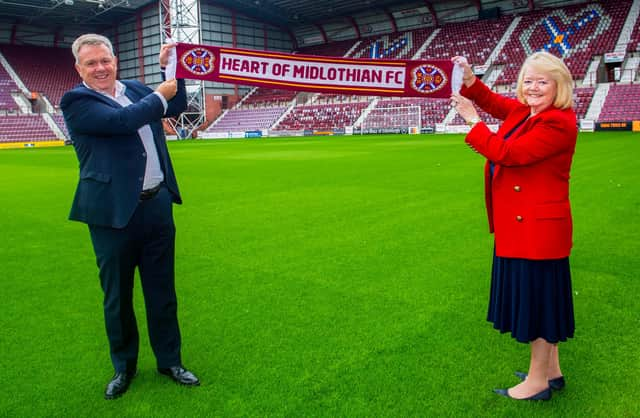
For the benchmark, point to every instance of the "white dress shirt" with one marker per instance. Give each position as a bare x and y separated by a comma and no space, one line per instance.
153,174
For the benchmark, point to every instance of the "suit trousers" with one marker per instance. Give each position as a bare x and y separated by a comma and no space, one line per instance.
148,243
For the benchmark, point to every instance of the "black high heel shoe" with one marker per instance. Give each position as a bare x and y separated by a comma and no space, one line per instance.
556,384
545,395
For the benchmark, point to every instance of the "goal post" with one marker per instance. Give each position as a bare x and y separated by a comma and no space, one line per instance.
393,119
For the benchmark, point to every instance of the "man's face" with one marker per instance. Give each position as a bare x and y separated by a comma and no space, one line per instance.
98,68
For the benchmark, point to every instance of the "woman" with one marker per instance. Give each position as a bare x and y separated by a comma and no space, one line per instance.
527,198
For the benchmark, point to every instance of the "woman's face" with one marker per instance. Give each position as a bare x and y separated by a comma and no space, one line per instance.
539,90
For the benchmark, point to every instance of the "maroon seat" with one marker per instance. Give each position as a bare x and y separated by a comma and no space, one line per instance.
322,117
45,70
25,128
621,104
7,86
585,30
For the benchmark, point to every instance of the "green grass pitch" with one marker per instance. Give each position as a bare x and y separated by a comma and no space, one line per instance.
339,276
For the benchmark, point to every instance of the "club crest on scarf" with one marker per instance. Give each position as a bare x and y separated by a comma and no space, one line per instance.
198,61
428,79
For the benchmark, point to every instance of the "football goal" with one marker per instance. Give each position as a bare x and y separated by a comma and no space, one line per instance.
392,119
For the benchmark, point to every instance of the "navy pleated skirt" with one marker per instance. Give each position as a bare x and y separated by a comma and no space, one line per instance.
532,299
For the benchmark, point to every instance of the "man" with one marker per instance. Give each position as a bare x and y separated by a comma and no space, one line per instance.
125,195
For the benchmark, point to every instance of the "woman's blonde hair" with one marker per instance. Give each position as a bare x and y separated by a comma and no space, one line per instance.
545,62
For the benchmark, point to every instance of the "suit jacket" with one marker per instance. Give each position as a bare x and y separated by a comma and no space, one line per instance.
110,152
527,198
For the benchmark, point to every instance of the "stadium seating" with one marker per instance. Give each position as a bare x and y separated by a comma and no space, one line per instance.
269,97
25,128
332,49
322,117
634,40
237,120
59,120
474,40
583,30
582,98
327,98
396,45
7,86
621,104
48,71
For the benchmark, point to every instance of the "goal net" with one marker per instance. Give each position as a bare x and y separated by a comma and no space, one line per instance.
392,119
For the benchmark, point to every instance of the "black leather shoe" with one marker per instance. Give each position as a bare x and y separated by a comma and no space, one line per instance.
119,384
545,395
181,375
556,384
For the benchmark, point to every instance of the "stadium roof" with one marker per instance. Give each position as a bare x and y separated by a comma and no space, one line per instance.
61,13
283,13
301,12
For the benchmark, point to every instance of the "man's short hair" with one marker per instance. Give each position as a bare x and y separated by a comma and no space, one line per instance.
90,39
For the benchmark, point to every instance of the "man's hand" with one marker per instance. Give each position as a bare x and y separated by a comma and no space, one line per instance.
168,89
164,54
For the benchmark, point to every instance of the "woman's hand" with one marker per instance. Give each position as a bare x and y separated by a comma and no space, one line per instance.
468,78
465,108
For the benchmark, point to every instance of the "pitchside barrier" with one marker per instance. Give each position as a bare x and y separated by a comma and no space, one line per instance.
35,144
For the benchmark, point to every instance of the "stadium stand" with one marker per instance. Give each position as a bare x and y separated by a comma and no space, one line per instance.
634,41
7,86
576,32
392,46
579,32
474,40
322,117
582,98
269,97
621,104
59,120
25,128
247,119
332,49
45,70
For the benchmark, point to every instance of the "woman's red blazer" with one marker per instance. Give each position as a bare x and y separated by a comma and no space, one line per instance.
527,197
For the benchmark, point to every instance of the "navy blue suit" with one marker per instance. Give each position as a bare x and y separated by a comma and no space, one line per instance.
128,232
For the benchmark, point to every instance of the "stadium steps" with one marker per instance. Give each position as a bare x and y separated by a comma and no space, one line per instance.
14,76
493,73
366,112
246,96
505,38
591,76
352,49
23,103
627,28
425,45
218,119
597,102
630,70
284,114
53,126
